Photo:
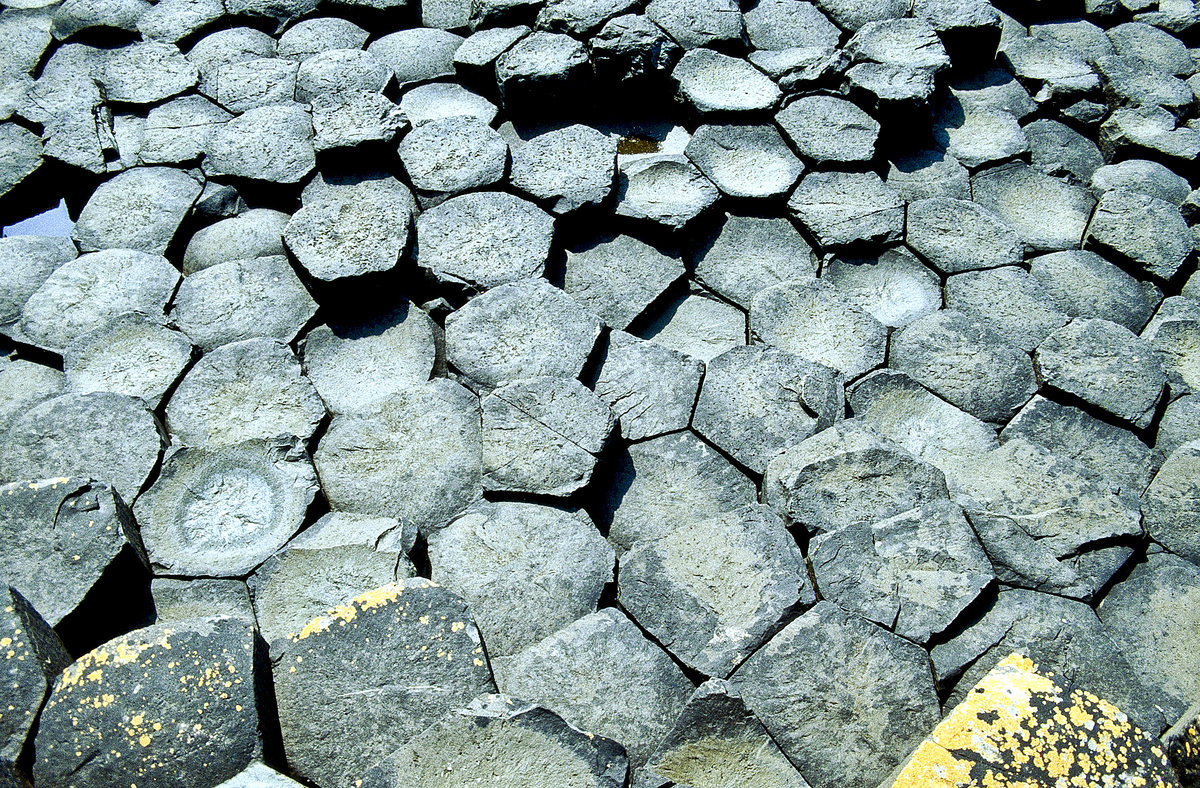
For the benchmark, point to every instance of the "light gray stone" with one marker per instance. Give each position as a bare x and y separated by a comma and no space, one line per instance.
1170,500
894,287
845,208
745,160
1061,151
481,48
139,209
179,600
440,100
341,71
1180,424
540,67
130,355
1083,284
825,129
311,36
749,254
272,143
26,261
1148,232
580,17
631,47
1147,131
21,154
1007,300
1157,47
1059,73
853,14
712,82
927,174
249,84
1084,38
651,388
618,278
699,326
231,45
909,43
255,233
667,191
978,135
257,775
567,168
350,119
24,384
1140,175
484,239
1048,214
780,25
453,155
181,130
694,25
146,73
958,235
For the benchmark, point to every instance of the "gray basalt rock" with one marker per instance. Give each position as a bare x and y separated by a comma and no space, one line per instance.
977,134
828,129
1008,301
1148,232
518,330
580,17
153,705
542,66
1106,365
1180,424
272,143
567,168
108,437
417,55
221,512
712,82
758,400
698,325
1170,500
650,388
1139,175
1132,81
351,226
453,155
1058,73
1081,37
440,100
415,456
1177,343
601,674
814,321
511,741
355,365
353,118
311,36
966,363
630,48
59,537
885,87
344,702
698,24
619,278
484,239
23,384
848,474
894,287
749,254
243,299
542,436
140,209
665,190
1153,618
496,556
255,233
927,174
713,591
1104,448
255,83
181,130
232,45
744,160
958,235
853,14
77,16
1083,284
845,208
777,25
130,355
913,573
146,73
1143,131
1158,47
1059,150
909,43
258,775
280,11
246,390
843,698
340,71
26,261
330,562
21,153
176,600
667,483
1047,214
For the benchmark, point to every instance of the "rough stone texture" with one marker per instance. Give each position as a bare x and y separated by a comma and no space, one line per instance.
712,592
108,437
527,569
695,25
1169,503
143,707
843,698
542,436
927,174
415,456
356,365
1105,365
26,261
1061,151
1183,746
618,278
311,36
1180,424
650,388
176,600
256,775
445,100
242,391
844,208
221,511
669,482
23,384
181,130
759,400
355,118
417,55
243,299
1147,177
256,83
130,355
540,67
601,674
453,155
510,741
21,152
828,129
894,286
351,226
1008,301
254,233
713,82
272,143
344,701
665,190
744,160
484,239
956,235
698,325
1046,213
567,168
749,254
1146,231
913,573
1083,284
631,47
328,563
522,329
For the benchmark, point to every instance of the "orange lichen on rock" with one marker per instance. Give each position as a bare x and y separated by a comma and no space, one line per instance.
1018,728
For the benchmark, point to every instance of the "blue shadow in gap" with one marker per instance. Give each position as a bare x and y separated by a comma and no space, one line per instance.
55,222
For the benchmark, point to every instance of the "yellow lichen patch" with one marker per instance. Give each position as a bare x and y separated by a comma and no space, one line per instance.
346,613
1018,728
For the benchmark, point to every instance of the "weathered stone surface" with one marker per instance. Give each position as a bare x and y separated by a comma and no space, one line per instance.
894,287
232,45
745,160
484,239
966,363
1146,231
168,717
713,82
631,47
453,155
108,437
340,71
518,330
26,261
542,436
844,208
1047,214
1139,175
146,73
130,355
311,36
1106,365
481,48
496,555
181,130
1182,742
255,233
749,254
59,536
140,209
328,563
567,168
618,278
1177,343
841,697
243,299
698,24
759,400
1060,72
175,600
1061,151
601,674
1085,285
540,67
272,143
355,365
913,573
1146,131
1019,725
21,152
650,388
1180,424
665,190
344,701
1007,300
257,775
509,740
23,384
848,474
1130,80
976,135
669,482
221,511
440,100
776,25
415,456
885,87
713,591
1170,501
927,174
717,738
813,320
698,325
354,118
957,235
351,226
828,129
417,55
